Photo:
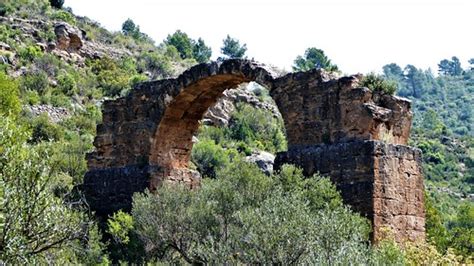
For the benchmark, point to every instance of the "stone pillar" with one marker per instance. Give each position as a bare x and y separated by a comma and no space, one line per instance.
382,182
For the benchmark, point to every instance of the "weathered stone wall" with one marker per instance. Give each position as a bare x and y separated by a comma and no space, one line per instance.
333,126
381,181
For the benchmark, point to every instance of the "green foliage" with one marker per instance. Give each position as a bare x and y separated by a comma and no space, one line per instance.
130,29
57,3
201,52
209,157
65,16
67,84
119,226
313,58
378,84
36,81
29,53
33,222
113,77
244,216
182,42
319,191
436,233
450,67
462,230
9,96
156,63
257,128
231,48
44,130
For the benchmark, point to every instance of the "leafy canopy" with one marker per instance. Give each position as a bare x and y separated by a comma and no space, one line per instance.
232,48
313,58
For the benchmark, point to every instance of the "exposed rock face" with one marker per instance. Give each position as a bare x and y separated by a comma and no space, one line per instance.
264,160
68,38
333,126
71,44
220,113
56,114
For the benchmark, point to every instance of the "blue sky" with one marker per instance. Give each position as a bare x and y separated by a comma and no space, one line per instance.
358,35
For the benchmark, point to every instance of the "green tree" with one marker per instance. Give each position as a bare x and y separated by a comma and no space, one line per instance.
393,71
435,230
471,61
313,58
232,49
182,42
450,67
128,27
57,3
462,230
33,221
201,52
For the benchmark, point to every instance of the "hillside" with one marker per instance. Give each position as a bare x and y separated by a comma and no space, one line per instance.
56,70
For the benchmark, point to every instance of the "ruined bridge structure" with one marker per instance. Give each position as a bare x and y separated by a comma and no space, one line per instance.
335,127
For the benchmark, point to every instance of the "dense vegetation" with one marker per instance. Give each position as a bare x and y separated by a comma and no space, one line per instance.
239,215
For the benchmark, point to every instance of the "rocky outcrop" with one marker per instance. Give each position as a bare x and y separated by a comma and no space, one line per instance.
264,160
56,114
333,126
70,44
220,113
67,37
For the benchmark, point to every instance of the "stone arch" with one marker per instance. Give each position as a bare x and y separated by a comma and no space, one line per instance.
335,127
172,142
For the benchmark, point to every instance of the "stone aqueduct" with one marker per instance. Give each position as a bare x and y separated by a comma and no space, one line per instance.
333,126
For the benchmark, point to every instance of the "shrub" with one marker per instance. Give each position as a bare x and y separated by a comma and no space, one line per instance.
246,217
36,81
209,157
67,84
65,16
49,63
44,130
156,63
30,53
9,96
34,223
377,83
119,226
255,126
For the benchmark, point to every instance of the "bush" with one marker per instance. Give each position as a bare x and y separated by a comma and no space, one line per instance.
258,128
67,84
64,16
377,83
44,130
30,53
9,96
209,157
34,223
159,65
246,217
37,81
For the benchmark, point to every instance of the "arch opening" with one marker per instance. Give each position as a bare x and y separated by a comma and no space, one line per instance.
173,142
